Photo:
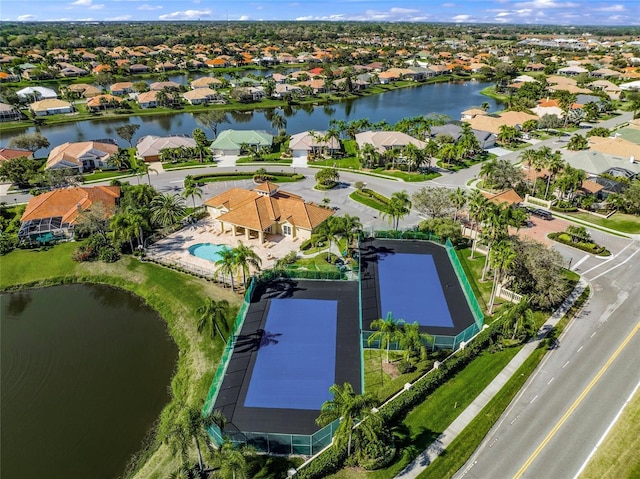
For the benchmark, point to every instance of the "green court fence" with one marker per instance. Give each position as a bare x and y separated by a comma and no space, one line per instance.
226,354
439,341
287,444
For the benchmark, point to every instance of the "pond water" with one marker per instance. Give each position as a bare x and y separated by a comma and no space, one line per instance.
85,373
443,98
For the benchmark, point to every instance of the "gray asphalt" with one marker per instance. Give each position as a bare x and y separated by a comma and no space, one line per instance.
607,319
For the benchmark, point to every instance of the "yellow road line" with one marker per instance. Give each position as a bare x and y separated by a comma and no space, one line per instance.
576,403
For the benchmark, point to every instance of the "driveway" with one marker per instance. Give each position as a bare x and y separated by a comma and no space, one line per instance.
540,228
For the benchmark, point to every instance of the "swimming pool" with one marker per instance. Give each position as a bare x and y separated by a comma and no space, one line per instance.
207,251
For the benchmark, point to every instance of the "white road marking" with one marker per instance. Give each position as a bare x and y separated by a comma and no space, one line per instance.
593,334
579,349
602,438
534,398
565,364
550,380
606,261
616,266
585,258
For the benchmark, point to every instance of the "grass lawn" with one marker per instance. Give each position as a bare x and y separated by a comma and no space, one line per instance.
105,175
347,162
316,263
187,164
174,295
473,270
619,221
618,455
265,161
404,176
381,383
368,201
459,451
429,419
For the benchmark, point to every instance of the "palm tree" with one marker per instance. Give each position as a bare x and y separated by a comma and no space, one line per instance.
412,153
122,229
232,461
477,208
369,155
496,228
167,209
351,228
213,314
413,342
554,165
387,331
518,319
542,156
227,265
191,189
529,158
487,171
398,207
502,256
430,151
245,257
459,200
142,168
347,406
279,122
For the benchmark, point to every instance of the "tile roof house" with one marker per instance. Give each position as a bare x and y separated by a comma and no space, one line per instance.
10,154
160,85
205,82
485,138
615,146
303,144
50,107
148,99
201,96
492,123
387,140
102,102
150,147
508,197
266,210
81,155
52,216
596,163
121,88
85,90
229,142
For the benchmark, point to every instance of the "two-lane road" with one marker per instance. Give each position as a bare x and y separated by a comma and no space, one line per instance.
555,422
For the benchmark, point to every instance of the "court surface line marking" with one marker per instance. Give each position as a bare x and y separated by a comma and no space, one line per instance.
576,403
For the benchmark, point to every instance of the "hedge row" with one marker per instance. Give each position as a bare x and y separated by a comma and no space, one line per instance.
333,458
587,246
374,194
288,174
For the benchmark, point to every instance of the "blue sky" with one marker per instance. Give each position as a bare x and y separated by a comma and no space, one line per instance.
563,12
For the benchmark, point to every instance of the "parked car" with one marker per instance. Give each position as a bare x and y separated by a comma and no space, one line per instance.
544,214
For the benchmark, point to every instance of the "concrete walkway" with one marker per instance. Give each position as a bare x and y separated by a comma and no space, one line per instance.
420,463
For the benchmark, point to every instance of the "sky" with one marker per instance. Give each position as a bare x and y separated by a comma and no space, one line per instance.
552,12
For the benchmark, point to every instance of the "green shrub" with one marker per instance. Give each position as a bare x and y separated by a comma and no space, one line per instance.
305,245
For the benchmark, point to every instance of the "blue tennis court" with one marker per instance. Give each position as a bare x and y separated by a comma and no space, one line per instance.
296,360
410,288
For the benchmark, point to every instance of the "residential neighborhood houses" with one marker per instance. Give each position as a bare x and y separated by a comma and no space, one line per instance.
554,165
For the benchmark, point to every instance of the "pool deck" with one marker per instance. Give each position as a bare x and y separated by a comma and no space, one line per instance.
173,250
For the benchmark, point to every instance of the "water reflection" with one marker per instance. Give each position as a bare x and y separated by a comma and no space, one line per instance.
18,302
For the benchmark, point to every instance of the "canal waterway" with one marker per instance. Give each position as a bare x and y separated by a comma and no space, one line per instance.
85,373
440,98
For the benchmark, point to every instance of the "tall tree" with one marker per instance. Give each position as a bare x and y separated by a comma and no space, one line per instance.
459,200
127,132
413,342
214,315
245,258
554,165
398,207
279,123
191,189
29,141
500,257
202,142
167,209
227,265
386,331
347,406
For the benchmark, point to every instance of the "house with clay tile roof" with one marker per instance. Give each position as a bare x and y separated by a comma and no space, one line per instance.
266,210
102,102
206,82
387,140
81,155
149,148
52,216
121,88
507,197
492,123
50,107
10,153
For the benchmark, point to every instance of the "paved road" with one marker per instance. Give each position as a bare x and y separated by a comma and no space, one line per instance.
556,420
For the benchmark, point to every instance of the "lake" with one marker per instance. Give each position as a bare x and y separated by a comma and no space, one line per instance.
85,373
443,98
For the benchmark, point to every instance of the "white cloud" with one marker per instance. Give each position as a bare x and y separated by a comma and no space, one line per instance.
147,8
243,18
448,5
121,18
97,6
611,8
82,3
462,18
538,4
186,15
403,10
26,18
88,3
